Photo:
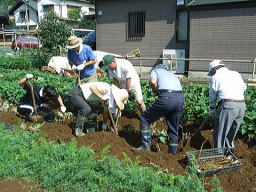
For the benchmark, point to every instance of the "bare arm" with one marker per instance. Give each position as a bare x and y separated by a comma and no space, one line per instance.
116,82
153,84
128,84
60,101
22,82
91,62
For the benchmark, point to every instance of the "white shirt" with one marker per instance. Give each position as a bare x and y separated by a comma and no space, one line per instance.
103,87
105,90
124,70
226,84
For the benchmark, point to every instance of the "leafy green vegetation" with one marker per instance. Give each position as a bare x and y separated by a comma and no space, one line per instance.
196,97
64,167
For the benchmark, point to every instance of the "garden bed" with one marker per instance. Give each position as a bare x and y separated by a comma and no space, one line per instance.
242,180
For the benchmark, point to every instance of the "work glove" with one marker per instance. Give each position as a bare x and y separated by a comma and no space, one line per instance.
74,67
212,112
80,67
29,76
63,108
43,105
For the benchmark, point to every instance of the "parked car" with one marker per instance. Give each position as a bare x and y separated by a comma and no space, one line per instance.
90,40
25,41
81,32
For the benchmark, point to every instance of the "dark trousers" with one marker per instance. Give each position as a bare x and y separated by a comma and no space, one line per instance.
79,105
169,105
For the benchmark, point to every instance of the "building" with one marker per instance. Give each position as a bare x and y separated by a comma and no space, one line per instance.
206,29
36,9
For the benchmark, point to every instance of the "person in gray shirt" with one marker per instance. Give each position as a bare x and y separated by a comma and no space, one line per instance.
169,104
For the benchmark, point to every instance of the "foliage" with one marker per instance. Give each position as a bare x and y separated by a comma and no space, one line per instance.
87,23
53,34
74,14
64,167
196,97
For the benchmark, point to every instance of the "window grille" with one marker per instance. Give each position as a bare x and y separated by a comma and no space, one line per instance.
136,25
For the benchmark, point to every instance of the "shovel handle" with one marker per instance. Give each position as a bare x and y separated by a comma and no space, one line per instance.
33,97
112,120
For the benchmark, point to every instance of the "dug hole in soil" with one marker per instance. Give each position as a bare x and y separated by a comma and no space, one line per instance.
243,180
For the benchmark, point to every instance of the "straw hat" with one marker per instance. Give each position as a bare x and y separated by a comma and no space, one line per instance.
73,42
120,95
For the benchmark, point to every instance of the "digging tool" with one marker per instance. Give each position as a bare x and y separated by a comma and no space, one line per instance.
112,121
202,124
78,77
119,113
133,53
35,117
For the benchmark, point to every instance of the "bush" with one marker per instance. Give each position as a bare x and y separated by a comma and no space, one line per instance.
53,34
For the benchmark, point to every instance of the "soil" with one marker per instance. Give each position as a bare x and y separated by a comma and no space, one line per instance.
243,180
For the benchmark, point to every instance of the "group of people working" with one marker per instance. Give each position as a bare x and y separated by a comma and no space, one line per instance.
226,95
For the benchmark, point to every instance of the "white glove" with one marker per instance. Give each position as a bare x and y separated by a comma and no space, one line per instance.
104,127
74,68
29,76
212,112
80,67
43,105
63,108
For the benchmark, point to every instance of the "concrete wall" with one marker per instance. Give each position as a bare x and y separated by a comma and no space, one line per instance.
111,30
223,34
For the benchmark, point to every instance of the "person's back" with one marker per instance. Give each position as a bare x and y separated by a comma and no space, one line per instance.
166,79
228,84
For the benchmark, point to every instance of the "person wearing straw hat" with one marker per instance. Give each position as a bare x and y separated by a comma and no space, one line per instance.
124,76
42,97
226,100
84,101
82,59
169,104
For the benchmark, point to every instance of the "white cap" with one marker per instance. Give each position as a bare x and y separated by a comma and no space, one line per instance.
214,64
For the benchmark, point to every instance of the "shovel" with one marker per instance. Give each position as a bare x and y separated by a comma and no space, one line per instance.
35,117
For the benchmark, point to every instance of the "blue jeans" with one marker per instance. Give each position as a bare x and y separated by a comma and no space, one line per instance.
169,105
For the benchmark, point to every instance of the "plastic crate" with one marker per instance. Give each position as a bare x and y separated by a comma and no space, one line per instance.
210,155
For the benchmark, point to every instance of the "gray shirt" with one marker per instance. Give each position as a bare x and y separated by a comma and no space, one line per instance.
165,78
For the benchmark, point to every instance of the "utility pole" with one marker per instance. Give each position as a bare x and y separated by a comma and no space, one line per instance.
26,14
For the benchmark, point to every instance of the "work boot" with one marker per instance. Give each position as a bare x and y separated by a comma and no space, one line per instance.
146,139
173,148
92,125
79,132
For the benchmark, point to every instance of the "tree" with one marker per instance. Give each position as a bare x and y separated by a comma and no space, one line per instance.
53,34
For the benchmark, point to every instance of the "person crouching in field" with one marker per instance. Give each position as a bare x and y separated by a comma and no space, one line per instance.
41,97
84,102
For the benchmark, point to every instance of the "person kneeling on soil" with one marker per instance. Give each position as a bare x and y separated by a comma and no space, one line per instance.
84,101
169,103
41,97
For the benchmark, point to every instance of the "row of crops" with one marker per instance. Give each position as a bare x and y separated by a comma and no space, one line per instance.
196,96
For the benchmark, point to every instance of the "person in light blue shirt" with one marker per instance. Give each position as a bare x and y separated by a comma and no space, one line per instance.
82,59
169,104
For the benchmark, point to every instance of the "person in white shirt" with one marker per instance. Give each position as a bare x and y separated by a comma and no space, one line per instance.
227,104
84,101
124,76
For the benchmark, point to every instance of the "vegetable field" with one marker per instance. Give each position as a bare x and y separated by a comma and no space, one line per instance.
50,157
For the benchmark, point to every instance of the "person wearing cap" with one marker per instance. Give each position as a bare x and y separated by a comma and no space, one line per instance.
124,76
169,104
226,100
84,100
42,97
82,59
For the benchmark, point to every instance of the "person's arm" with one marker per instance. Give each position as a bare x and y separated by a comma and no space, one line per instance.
128,84
116,82
153,84
24,80
91,62
212,94
60,101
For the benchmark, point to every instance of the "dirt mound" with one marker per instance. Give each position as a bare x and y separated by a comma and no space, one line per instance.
242,180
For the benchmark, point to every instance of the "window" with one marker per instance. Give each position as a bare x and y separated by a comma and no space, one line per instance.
48,8
23,15
182,26
136,25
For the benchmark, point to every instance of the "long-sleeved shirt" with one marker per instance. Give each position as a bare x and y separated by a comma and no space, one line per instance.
226,84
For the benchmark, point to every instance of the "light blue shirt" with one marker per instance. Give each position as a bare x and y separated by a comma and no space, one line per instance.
85,54
165,78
